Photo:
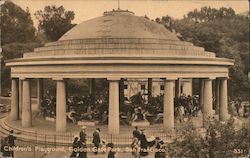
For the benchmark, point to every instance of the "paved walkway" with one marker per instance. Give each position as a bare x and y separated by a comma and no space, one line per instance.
3,114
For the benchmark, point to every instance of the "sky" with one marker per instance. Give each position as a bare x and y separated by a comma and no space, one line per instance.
87,9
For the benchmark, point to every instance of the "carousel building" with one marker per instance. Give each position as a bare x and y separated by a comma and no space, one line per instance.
115,46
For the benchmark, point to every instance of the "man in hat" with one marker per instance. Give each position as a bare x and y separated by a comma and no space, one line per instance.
83,134
96,139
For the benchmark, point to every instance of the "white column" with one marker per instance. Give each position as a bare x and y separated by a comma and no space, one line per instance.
187,86
14,99
61,124
39,93
201,94
168,118
114,121
20,98
26,105
223,111
208,99
217,96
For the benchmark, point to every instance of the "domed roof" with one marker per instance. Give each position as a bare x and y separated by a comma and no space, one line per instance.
119,33
118,24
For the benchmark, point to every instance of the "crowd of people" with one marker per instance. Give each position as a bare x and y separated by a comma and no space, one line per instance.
237,107
139,146
96,109
80,108
79,145
186,106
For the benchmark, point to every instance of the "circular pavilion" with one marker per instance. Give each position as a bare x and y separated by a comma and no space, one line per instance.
114,46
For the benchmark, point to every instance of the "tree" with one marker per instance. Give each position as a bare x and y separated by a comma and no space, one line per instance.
220,31
16,24
217,140
209,14
18,36
10,51
167,21
54,21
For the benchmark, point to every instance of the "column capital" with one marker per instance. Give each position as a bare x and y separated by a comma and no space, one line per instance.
222,78
23,78
58,78
209,79
170,78
114,79
185,79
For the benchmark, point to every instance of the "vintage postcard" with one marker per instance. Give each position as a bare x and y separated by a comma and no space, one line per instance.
124,78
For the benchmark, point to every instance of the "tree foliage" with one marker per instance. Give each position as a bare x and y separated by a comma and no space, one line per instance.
220,31
217,140
54,21
209,14
16,24
17,36
11,51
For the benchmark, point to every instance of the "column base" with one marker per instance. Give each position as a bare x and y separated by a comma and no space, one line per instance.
169,130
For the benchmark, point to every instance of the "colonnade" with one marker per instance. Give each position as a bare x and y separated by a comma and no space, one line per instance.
21,102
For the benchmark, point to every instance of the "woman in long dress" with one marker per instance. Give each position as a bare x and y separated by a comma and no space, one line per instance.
135,147
144,144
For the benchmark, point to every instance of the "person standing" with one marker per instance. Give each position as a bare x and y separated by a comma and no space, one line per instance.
135,147
82,149
181,113
4,145
96,139
11,142
144,144
82,134
74,148
111,153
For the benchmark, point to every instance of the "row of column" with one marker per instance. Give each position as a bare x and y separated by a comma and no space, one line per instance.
221,96
23,100
25,111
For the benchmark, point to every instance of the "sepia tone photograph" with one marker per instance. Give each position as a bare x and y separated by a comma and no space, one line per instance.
124,79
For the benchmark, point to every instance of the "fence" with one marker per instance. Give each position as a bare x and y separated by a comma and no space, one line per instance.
36,144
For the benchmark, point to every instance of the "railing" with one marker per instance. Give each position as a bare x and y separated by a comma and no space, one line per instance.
36,145
66,139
